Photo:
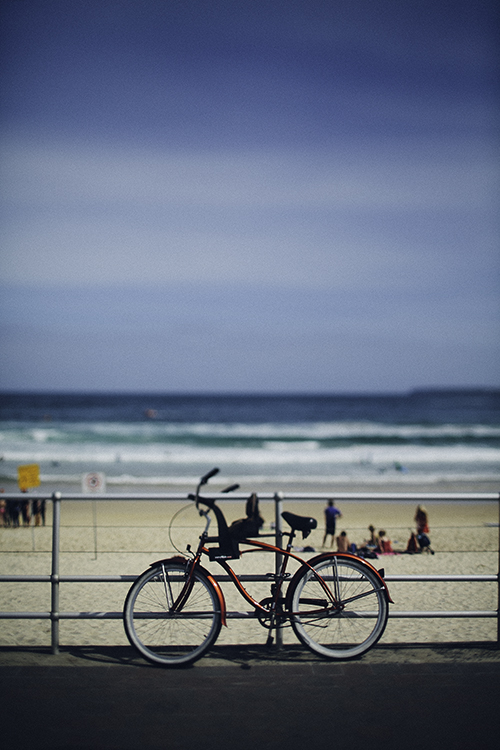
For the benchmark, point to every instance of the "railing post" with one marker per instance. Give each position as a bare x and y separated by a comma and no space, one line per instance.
54,577
498,578
278,507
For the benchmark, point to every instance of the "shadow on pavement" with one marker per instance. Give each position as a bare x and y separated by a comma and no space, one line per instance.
251,698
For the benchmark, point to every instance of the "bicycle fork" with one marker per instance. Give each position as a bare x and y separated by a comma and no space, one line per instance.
176,605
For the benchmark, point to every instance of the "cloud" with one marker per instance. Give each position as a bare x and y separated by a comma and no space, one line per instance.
295,200
99,215
238,339
402,174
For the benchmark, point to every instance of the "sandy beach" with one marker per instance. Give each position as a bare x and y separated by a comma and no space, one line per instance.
124,537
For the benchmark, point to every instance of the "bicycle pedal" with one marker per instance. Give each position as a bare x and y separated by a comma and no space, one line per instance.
269,641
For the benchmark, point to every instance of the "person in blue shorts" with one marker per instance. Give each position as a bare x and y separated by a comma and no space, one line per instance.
331,515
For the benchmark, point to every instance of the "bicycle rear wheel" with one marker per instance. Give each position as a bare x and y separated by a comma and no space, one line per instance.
353,624
165,637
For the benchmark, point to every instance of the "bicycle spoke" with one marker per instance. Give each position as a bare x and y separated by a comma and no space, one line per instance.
164,635
356,619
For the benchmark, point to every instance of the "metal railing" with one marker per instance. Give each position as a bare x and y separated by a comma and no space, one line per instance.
55,578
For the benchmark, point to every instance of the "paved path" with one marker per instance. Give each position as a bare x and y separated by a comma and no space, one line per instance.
105,698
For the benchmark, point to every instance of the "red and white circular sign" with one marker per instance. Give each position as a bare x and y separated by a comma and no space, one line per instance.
95,481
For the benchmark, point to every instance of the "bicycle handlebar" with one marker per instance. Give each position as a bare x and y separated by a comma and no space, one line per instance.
196,497
209,502
231,488
208,475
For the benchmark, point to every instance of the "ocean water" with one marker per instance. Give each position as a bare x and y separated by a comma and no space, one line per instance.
153,440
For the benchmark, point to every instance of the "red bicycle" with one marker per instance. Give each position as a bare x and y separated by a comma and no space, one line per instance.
336,603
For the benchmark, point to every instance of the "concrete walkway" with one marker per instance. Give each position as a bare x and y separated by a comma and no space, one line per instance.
251,698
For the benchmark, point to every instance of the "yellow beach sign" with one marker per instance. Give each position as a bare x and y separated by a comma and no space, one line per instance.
28,476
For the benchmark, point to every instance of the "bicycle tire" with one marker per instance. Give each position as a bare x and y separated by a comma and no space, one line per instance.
338,632
166,638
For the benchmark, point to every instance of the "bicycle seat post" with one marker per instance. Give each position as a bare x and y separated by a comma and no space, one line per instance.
291,537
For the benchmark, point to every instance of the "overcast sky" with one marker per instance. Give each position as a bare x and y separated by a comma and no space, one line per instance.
217,195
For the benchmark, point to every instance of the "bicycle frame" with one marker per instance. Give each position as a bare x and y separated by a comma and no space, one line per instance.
325,601
279,578
274,611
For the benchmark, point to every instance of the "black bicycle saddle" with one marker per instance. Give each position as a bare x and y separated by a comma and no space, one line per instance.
305,524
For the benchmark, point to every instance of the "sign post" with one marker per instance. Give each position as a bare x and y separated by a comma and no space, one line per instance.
95,481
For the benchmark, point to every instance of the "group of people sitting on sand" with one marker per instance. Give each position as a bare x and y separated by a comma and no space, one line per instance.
377,544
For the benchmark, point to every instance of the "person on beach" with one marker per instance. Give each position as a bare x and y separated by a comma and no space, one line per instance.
342,542
370,545
384,545
13,510
422,520
331,515
412,546
25,512
373,539
36,511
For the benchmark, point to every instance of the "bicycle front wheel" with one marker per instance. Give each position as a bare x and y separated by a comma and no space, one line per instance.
342,615
166,637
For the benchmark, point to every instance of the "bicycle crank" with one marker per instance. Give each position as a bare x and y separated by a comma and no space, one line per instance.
269,621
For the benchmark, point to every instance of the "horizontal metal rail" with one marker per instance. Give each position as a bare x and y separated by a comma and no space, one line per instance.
226,579
234,615
55,579
289,496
